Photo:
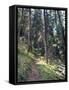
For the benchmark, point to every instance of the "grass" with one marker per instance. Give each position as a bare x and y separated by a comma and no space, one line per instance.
27,59
47,71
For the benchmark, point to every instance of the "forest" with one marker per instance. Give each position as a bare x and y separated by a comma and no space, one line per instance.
41,44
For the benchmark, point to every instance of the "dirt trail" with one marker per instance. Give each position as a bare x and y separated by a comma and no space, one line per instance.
33,75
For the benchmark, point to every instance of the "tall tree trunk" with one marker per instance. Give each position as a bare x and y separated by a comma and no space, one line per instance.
62,28
63,35
19,25
45,23
18,31
44,37
29,33
23,31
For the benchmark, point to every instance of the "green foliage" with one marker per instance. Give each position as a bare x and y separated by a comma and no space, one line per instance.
25,60
41,38
47,73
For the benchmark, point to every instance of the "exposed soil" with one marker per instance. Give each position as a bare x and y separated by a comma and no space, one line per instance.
33,75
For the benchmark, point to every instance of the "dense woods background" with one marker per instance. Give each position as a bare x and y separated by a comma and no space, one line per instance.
41,44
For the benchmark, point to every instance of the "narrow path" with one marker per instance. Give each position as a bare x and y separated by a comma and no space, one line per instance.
33,75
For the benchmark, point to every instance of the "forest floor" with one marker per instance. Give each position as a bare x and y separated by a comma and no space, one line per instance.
33,75
33,68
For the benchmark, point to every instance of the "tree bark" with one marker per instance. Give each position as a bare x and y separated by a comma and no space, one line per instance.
63,35
29,33
62,28
44,35
45,23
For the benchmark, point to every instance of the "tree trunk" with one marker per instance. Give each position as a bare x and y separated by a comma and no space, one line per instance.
18,32
44,37
62,28
63,36
29,33
45,23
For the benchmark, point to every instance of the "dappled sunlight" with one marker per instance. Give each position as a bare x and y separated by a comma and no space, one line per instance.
40,61
48,71
41,48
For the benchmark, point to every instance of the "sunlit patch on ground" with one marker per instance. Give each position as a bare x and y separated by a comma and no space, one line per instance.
47,71
31,67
